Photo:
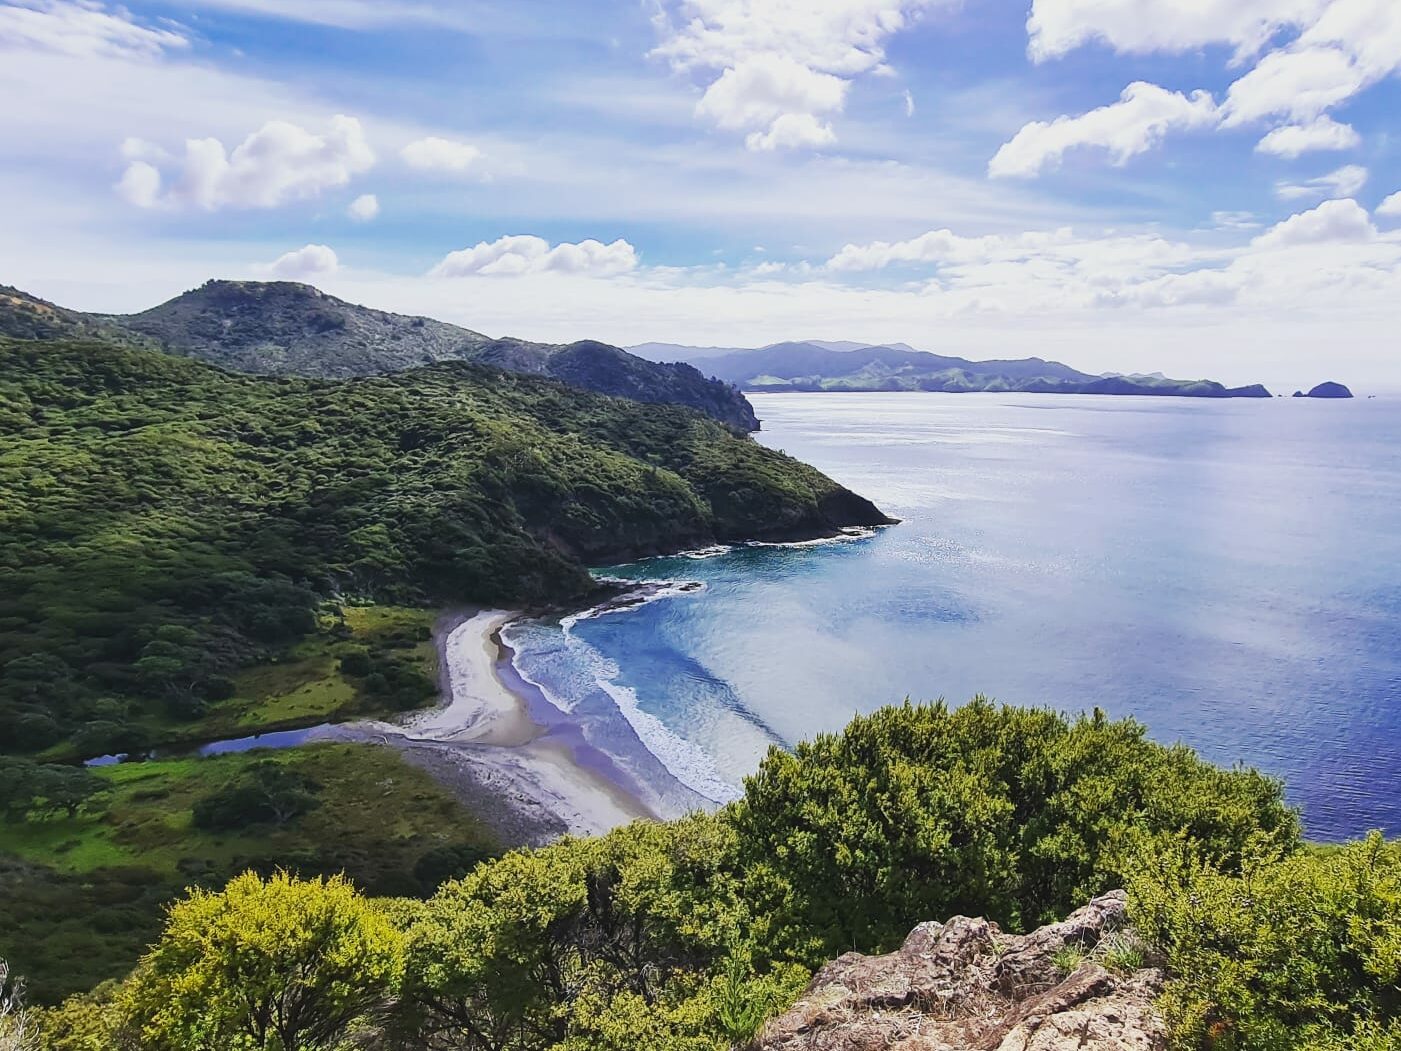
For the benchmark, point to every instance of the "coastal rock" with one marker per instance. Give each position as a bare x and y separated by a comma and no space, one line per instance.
965,985
1326,390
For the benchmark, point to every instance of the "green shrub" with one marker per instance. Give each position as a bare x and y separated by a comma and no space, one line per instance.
919,812
1295,952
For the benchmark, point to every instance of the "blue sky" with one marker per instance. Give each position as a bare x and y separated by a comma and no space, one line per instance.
1205,189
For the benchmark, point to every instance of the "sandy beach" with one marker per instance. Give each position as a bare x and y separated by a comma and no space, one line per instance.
482,743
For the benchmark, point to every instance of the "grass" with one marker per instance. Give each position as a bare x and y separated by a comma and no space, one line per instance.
84,896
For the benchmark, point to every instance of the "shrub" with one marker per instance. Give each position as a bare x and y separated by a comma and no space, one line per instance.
1294,952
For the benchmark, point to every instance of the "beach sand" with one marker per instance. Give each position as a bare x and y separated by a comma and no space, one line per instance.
520,779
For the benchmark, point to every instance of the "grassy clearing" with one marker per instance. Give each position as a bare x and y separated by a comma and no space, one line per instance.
84,896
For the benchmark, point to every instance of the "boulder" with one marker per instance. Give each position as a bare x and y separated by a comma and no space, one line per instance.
964,985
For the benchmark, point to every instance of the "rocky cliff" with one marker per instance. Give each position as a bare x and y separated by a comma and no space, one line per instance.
964,985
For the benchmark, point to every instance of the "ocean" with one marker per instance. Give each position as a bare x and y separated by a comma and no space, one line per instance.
1227,572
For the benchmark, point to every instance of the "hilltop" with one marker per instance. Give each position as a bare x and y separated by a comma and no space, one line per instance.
283,328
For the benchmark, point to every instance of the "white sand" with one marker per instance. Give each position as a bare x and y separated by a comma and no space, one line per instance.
483,742
479,708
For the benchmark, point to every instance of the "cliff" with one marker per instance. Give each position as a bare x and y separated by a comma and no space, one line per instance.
964,985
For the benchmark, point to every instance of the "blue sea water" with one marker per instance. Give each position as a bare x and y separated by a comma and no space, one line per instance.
1228,572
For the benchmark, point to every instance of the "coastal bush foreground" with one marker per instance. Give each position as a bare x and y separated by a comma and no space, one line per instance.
686,935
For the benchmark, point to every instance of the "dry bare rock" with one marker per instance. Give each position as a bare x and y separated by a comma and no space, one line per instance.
964,985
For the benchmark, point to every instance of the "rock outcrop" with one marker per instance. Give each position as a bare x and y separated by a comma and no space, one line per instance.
1326,390
964,985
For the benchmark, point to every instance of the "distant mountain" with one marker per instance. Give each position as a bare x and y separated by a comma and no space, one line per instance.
284,328
823,366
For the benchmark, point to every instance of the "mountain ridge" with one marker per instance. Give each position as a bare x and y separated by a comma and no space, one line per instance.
833,366
286,328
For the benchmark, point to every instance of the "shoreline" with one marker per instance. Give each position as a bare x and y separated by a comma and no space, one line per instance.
522,778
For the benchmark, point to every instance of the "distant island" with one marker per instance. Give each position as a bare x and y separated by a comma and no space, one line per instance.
817,365
1326,390
283,328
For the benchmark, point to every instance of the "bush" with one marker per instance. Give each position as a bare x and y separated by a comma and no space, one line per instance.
1295,952
919,812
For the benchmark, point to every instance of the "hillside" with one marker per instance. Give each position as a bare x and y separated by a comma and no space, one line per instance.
164,524
818,366
282,328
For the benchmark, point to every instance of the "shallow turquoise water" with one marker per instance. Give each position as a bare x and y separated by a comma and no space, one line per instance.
1227,572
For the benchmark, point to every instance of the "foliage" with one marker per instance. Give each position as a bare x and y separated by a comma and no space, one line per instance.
1297,951
1018,814
30,790
83,897
267,791
602,943
164,525
266,965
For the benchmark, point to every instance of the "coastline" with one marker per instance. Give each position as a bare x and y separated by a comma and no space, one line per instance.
523,779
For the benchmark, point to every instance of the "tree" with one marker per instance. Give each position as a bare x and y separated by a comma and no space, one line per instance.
28,787
921,812
17,1030
278,965
268,791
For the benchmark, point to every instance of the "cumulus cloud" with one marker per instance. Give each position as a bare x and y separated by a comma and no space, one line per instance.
779,69
85,30
1144,114
525,254
779,101
305,263
280,162
1391,207
363,208
441,155
1056,27
1332,222
1294,139
1345,182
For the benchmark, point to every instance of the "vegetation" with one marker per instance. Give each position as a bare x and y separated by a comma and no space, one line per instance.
165,526
83,896
1294,951
683,936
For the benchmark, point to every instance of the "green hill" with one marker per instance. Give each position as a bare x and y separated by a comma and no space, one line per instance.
164,524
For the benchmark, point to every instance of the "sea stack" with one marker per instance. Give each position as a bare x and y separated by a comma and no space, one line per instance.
1326,390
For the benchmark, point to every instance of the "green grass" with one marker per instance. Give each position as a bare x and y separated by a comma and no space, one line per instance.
84,896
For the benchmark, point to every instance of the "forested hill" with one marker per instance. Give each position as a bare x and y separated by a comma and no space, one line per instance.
163,523
283,328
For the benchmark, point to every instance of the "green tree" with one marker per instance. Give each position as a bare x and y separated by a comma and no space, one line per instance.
268,791
920,812
277,965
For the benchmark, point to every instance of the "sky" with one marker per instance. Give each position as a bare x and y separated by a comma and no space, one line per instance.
1208,188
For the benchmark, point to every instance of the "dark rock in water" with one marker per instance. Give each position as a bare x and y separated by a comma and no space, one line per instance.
1298,394
1328,390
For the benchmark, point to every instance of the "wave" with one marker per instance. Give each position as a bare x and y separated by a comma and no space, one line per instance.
845,535
590,670
638,593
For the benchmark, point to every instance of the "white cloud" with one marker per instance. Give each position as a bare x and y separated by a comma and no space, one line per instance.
1332,222
1235,220
525,254
280,162
1295,139
434,154
1345,182
305,263
909,103
1391,207
1352,45
777,100
1143,26
86,30
364,208
1133,125
783,65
